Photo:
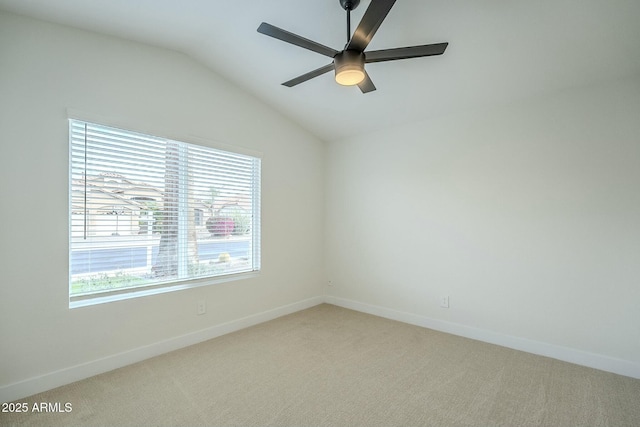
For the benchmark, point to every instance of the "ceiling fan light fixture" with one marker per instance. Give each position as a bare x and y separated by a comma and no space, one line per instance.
349,77
349,67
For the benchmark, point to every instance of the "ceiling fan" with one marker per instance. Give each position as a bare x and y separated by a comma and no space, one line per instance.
349,62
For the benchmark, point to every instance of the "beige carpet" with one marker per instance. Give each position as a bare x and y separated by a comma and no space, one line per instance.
327,366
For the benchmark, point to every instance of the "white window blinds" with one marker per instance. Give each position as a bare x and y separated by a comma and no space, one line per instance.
148,211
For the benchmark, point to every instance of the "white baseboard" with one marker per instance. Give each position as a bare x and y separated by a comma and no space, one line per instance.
566,354
71,374
75,373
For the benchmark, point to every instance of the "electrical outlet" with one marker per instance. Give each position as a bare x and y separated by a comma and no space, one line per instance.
444,301
202,307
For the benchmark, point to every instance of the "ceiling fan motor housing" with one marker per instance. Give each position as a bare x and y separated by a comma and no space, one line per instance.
349,65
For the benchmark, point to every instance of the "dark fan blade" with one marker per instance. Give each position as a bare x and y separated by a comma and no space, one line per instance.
286,36
309,75
366,85
405,52
373,17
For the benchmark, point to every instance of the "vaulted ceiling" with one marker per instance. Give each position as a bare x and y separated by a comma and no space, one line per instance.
500,51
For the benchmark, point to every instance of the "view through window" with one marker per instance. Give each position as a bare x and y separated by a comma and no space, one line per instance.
147,212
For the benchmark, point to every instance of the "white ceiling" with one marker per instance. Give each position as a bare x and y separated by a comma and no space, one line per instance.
499,51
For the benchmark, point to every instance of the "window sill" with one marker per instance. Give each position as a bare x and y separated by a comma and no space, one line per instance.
124,294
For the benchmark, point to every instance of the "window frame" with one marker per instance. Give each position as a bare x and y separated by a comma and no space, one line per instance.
105,296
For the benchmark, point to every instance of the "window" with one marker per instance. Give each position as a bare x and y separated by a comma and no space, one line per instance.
149,214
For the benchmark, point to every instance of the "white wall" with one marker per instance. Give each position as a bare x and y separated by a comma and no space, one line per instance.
46,69
528,217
